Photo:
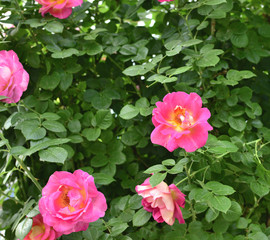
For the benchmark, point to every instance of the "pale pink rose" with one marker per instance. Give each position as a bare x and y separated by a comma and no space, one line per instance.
58,8
163,201
13,78
71,201
41,231
180,121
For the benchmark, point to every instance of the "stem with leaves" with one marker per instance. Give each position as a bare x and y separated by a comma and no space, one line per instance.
20,161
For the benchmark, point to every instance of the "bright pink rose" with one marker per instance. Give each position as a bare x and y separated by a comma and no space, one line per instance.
163,201
180,121
58,8
71,201
41,231
13,78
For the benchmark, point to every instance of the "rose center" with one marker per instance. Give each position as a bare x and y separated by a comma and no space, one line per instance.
182,118
64,199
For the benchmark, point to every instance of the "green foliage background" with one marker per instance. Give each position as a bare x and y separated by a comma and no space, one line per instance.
94,80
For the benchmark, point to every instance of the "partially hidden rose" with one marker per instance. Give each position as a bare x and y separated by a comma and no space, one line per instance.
58,8
41,231
13,78
180,121
163,201
71,201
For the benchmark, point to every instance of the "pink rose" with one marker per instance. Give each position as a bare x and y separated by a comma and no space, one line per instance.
41,231
71,201
163,201
13,78
58,8
180,121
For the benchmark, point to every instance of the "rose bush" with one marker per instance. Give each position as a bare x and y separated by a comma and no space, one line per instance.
13,78
71,201
101,74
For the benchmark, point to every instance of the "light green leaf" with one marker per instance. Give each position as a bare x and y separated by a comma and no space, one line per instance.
54,126
157,178
23,228
155,169
53,154
91,134
219,188
220,203
54,27
141,217
238,124
129,112
102,178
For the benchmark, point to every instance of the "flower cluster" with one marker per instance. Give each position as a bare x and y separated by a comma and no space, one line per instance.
69,203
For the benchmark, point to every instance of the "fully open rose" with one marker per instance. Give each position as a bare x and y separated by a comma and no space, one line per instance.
13,78
41,231
58,8
163,201
71,201
180,121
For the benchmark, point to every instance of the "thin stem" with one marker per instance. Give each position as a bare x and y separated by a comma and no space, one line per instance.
191,175
20,161
15,199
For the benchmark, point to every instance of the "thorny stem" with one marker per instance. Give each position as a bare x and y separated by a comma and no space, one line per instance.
20,161
107,226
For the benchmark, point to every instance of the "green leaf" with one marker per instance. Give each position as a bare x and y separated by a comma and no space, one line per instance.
23,228
219,188
238,124
141,217
239,41
118,229
99,160
91,134
104,119
135,70
54,126
54,27
93,48
31,130
45,144
214,2
3,97
53,154
176,71
50,116
65,53
221,147
259,188
155,169
129,112
168,162
157,178
220,203
233,213
74,126
102,178
50,82
211,215
191,42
